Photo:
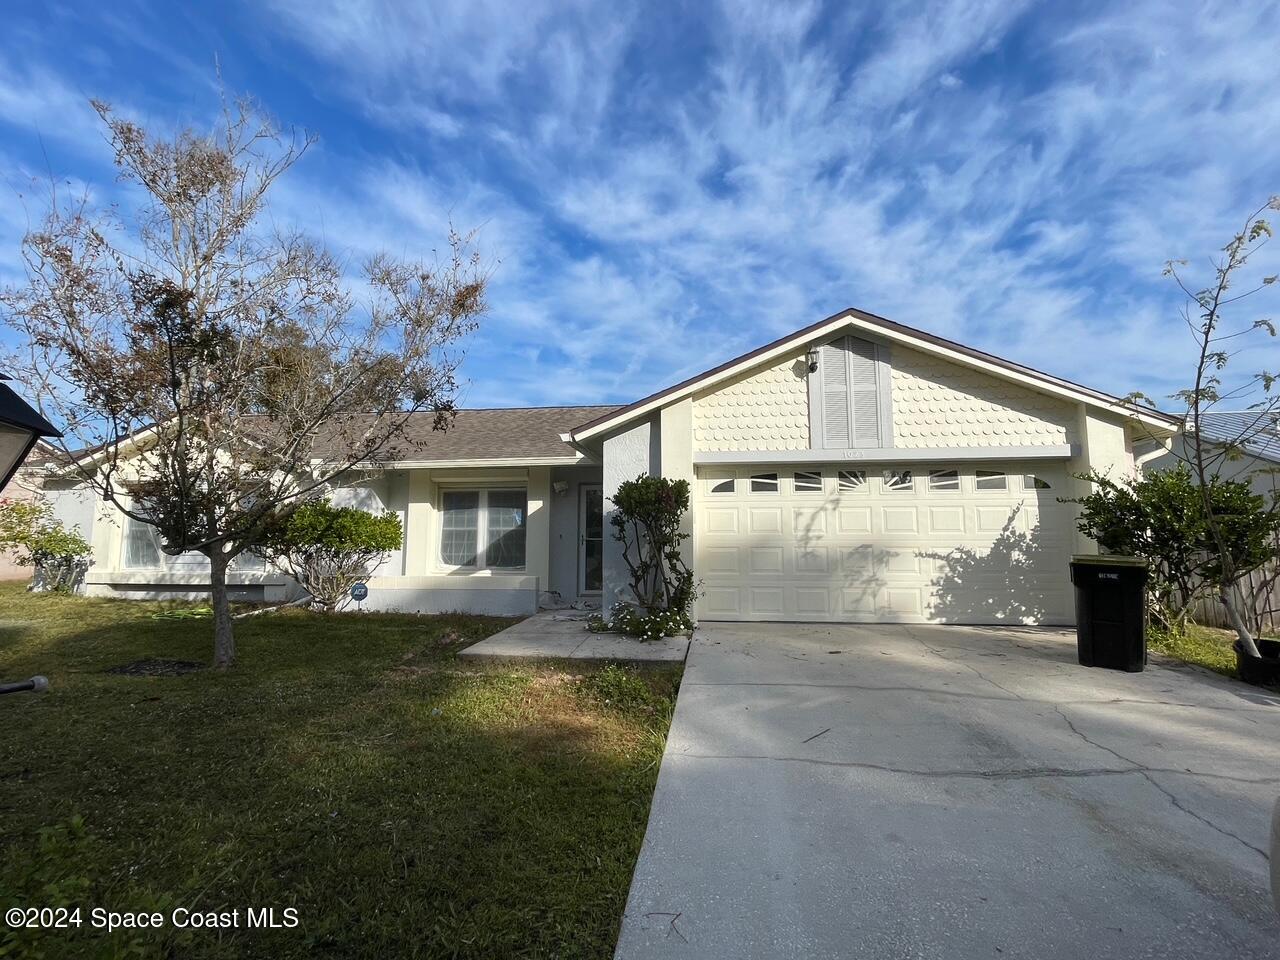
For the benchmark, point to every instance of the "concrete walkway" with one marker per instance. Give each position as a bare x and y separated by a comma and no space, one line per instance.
563,634
953,792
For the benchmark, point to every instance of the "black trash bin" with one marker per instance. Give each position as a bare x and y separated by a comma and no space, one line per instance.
1111,611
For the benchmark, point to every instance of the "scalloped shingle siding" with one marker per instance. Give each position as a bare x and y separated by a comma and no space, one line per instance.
941,404
766,410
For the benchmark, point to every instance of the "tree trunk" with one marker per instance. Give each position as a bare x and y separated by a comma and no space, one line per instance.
224,641
1237,622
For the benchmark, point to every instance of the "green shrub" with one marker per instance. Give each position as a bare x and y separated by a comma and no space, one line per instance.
1160,517
328,549
647,522
60,556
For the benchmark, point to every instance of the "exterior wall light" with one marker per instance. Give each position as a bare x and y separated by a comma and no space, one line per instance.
20,428
811,357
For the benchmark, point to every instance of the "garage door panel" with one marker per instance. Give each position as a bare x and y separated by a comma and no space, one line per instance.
864,552
766,603
853,520
717,560
764,520
720,519
808,522
812,602
813,560
948,519
899,519
765,559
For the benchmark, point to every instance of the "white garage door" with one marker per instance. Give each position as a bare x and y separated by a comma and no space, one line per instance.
941,544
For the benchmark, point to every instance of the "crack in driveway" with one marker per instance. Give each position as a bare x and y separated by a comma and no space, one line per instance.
1146,772
1016,773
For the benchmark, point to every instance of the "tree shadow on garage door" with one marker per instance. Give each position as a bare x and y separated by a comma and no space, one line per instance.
1009,582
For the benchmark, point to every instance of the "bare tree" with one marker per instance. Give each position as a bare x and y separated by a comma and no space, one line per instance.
1219,340
211,371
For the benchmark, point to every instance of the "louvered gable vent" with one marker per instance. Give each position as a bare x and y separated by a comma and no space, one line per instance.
851,394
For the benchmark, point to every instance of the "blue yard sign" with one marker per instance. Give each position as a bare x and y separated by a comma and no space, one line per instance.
359,592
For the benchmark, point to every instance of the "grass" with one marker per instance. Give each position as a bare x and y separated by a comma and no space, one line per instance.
404,802
1206,647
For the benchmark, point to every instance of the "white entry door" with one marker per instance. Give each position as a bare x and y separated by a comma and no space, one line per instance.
913,543
590,538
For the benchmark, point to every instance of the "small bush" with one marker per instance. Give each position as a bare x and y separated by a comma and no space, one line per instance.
328,549
60,556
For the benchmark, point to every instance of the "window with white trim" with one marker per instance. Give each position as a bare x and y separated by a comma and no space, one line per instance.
1033,482
990,480
944,479
898,481
722,486
483,529
851,481
764,483
807,482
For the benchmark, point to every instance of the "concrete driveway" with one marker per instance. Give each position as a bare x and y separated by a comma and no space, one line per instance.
954,792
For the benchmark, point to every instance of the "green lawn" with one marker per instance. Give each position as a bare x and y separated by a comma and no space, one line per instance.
406,803
1206,647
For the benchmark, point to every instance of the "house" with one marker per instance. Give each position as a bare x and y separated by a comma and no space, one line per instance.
855,470
1254,434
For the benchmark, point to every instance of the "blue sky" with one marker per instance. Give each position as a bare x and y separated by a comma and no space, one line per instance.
662,188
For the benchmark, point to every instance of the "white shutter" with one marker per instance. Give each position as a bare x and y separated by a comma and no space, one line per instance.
833,364
866,394
850,394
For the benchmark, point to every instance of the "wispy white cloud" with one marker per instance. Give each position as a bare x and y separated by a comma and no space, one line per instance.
658,192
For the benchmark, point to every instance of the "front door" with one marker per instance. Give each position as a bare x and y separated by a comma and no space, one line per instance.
590,538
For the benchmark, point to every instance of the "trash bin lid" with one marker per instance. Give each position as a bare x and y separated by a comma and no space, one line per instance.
1108,559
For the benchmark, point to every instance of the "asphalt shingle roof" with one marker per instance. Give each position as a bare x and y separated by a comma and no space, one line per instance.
494,434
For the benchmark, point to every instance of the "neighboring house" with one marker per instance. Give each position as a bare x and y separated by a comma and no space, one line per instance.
1257,461
855,470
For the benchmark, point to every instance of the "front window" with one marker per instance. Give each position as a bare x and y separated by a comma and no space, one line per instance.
483,529
141,545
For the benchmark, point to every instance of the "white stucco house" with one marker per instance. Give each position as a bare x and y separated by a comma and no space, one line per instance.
855,470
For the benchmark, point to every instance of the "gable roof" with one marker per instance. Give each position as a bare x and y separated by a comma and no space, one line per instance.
860,320
1227,426
513,433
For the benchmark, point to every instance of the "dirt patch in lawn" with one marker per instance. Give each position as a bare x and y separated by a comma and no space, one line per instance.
156,667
